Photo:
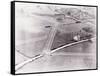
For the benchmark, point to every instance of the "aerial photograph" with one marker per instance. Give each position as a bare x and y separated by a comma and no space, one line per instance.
51,37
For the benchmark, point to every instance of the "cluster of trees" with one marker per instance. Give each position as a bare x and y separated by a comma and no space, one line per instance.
84,33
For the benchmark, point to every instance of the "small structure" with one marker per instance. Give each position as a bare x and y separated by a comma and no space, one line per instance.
76,38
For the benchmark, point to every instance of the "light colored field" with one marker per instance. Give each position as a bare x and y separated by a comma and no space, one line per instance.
32,36
70,58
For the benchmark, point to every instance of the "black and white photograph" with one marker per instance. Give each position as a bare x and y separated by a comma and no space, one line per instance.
54,37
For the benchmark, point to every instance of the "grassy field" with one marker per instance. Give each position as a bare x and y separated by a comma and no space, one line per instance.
79,56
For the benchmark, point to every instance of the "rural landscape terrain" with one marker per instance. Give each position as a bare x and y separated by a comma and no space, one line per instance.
54,37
